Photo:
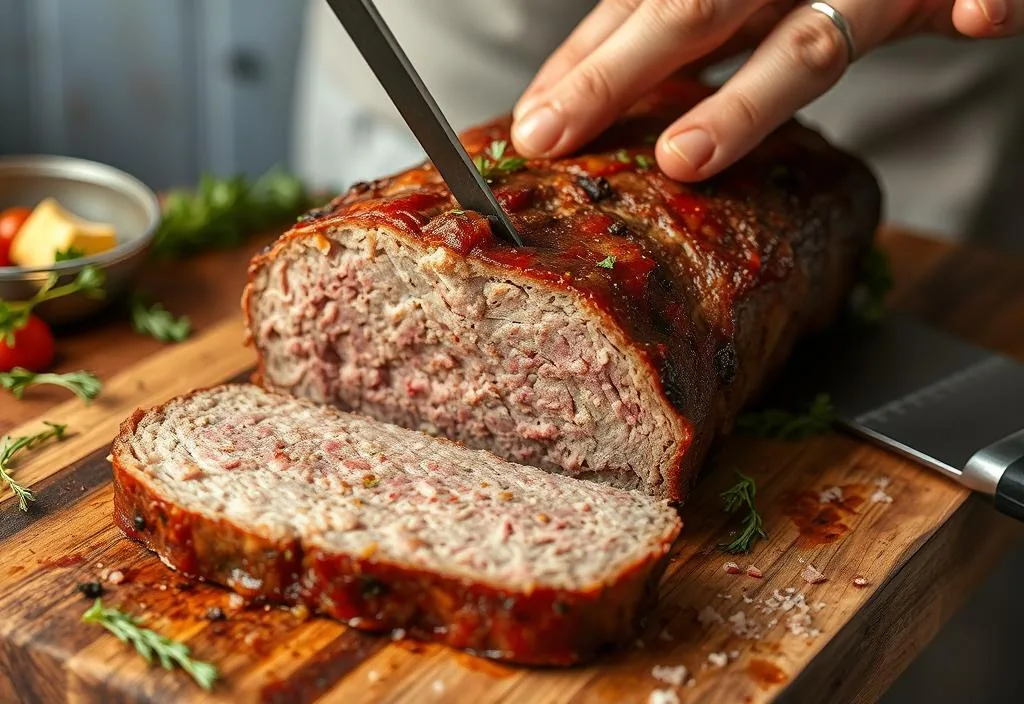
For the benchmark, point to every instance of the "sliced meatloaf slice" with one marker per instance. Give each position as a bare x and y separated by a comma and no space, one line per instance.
641,315
387,528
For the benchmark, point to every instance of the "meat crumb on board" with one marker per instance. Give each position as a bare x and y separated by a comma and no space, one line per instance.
812,575
663,696
732,568
859,581
754,572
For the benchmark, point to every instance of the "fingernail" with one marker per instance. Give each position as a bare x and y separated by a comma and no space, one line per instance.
522,108
692,146
539,129
994,10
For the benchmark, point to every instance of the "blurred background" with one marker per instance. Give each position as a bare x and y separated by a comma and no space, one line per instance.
168,89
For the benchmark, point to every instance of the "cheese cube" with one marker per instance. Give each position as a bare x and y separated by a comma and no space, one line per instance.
51,229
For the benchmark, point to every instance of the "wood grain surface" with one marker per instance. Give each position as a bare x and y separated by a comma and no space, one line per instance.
833,641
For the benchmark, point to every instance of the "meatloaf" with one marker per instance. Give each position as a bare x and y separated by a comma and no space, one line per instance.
388,528
637,320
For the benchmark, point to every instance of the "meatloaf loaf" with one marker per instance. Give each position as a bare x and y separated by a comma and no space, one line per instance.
388,528
628,332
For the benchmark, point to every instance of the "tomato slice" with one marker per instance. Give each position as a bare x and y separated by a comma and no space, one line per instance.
11,221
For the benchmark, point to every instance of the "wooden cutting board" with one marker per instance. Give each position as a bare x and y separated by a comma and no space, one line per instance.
833,641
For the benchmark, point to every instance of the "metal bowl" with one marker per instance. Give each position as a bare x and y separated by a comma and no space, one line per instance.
95,192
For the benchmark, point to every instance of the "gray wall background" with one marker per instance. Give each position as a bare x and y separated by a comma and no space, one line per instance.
163,89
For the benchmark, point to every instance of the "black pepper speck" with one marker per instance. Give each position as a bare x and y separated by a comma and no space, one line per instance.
93,590
139,522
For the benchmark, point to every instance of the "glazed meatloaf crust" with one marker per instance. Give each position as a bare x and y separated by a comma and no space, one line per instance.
641,315
387,528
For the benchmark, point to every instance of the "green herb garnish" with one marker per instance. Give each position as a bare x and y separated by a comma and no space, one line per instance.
643,161
608,262
10,446
224,212
740,495
64,255
868,297
157,322
150,644
623,156
817,420
493,161
14,314
83,384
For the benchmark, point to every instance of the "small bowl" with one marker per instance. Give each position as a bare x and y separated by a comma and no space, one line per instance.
93,191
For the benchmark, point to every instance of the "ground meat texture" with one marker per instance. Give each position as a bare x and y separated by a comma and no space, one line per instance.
627,333
387,528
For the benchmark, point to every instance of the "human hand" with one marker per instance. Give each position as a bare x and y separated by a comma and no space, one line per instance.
623,48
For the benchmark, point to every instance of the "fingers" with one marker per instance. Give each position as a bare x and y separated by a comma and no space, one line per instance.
597,26
655,40
799,60
988,18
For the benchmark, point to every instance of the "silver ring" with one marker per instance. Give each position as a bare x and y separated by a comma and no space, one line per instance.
841,24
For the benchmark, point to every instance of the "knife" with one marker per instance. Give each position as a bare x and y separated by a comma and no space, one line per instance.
399,79
931,397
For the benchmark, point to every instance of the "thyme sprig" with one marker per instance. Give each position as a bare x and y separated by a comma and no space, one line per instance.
10,446
738,496
150,644
493,161
82,383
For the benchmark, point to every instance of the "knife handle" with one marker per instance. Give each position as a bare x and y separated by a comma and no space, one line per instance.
999,470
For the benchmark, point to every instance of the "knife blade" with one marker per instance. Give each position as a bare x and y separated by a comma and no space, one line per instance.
407,91
928,396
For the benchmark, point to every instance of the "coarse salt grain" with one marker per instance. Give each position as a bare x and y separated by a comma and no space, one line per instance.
812,576
733,654
880,497
663,696
754,572
236,601
708,615
116,577
398,634
718,659
732,568
437,686
670,675
831,495
859,581
373,676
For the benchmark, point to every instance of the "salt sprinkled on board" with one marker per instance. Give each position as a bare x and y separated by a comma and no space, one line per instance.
670,675
833,494
718,659
373,676
663,696
880,497
708,615
437,686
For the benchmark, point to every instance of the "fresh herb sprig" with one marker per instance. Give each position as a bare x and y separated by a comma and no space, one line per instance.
65,255
644,162
493,161
151,645
868,298
14,314
222,213
10,446
775,423
608,262
83,384
739,496
157,322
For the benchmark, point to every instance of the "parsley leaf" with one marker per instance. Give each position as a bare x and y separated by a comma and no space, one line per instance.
83,384
10,446
742,495
148,644
64,255
644,162
157,322
14,314
608,262
223,212
784,425
868,298
493,161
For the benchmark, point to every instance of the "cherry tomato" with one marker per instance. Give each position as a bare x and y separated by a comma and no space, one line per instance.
33,347
11,221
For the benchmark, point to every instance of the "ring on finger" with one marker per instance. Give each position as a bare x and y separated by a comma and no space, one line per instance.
840,23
